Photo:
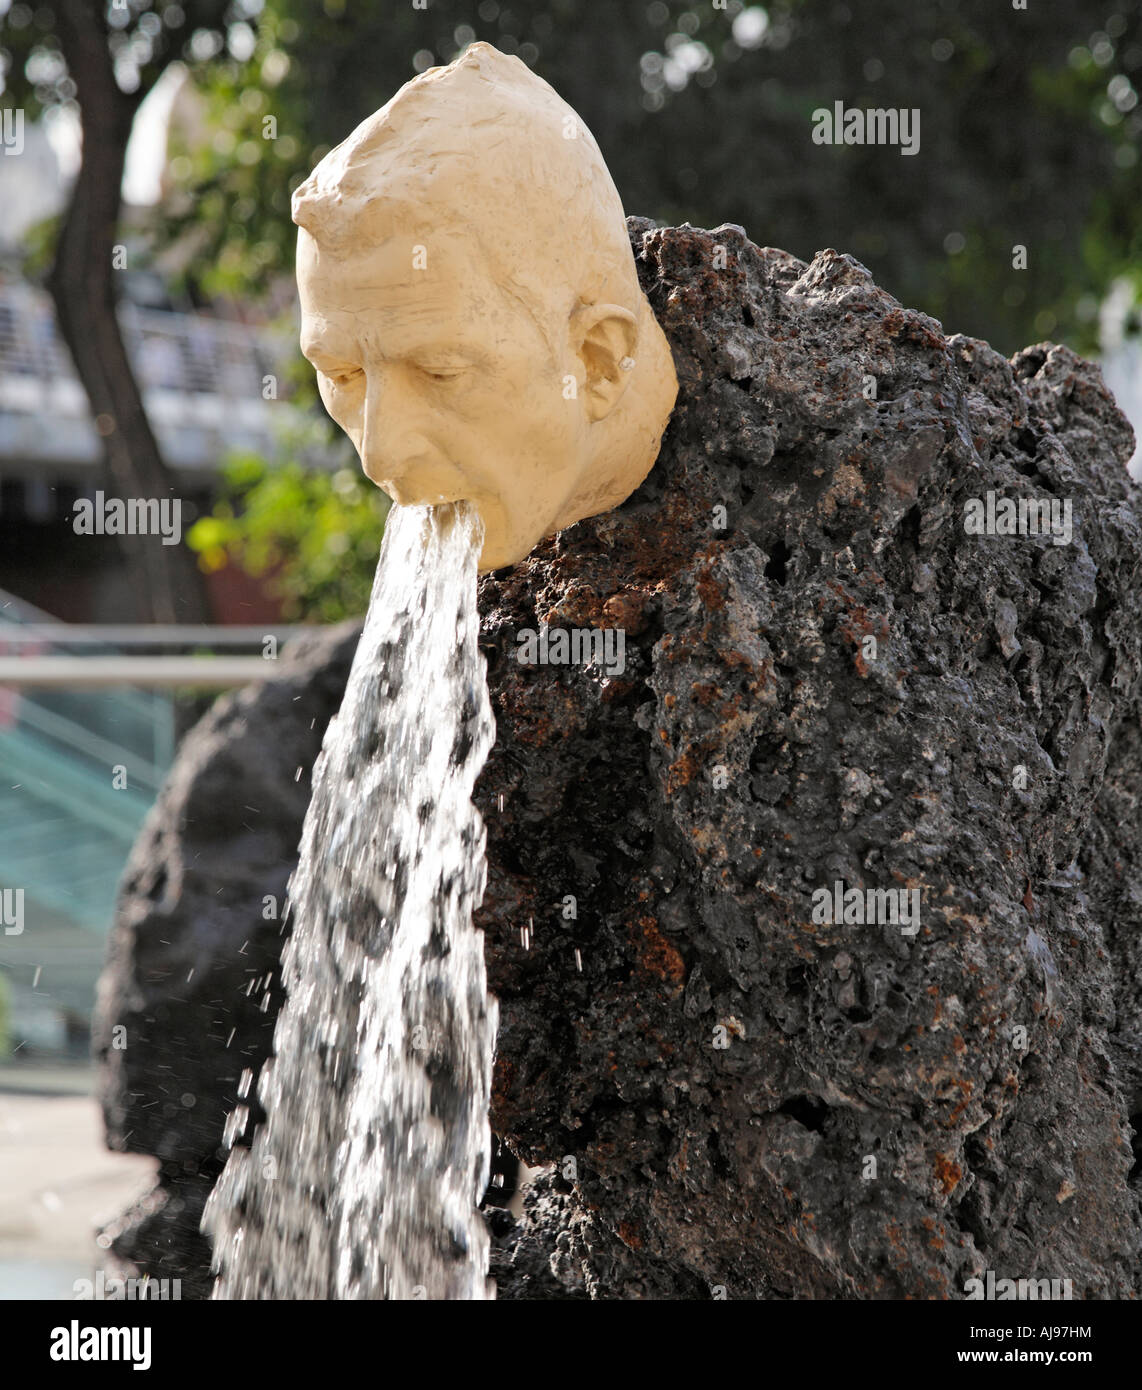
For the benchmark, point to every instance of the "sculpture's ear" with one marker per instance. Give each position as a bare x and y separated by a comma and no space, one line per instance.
605,338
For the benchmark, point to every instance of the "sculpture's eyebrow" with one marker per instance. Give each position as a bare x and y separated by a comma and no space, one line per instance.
321,354
432,347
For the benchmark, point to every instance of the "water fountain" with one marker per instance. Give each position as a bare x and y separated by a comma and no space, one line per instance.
425,312
365,1180
712,1080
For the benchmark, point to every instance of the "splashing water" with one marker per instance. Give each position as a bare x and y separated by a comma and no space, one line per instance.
364,1181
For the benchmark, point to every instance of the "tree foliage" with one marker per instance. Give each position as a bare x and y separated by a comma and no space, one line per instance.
103,60
314,535
1030,136
1031,133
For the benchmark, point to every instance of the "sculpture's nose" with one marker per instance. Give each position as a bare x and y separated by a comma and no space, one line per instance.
398,454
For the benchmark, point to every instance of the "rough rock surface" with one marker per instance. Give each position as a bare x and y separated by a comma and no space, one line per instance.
742,1101
754,750
192,968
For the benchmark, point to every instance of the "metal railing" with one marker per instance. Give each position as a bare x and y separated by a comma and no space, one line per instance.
203,381
93,670
78,772
137,724
81,764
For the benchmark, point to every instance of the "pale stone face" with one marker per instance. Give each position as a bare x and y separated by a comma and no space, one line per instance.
536,388
446,388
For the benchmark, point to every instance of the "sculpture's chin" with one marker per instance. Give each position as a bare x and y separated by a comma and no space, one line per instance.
496,555
504,544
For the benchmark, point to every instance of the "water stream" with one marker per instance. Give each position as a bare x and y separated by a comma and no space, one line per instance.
363,1182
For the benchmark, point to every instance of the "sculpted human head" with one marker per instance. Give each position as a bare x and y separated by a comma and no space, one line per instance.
471,305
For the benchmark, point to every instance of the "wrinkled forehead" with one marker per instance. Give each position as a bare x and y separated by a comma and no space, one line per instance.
394,293
417,281
403,265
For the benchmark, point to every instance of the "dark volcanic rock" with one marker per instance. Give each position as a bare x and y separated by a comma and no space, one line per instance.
742,1101
192,969
546,1255
755,1101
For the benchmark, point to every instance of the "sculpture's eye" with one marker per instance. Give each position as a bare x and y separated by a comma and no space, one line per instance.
443,371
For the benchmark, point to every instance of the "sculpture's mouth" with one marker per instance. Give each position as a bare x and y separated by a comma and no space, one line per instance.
410,496
498,547
448,511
